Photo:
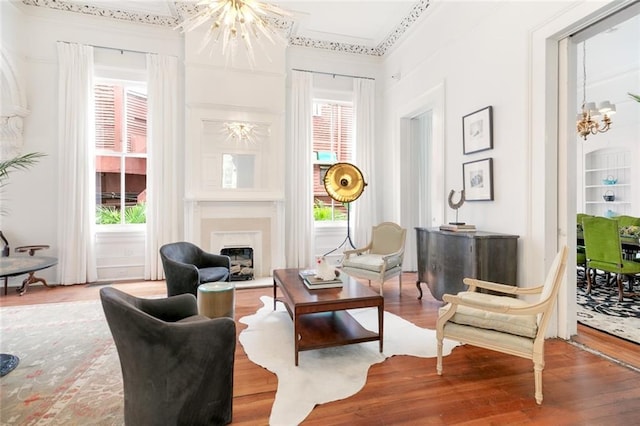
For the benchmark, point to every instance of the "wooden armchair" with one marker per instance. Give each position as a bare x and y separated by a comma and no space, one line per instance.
381,259
502,323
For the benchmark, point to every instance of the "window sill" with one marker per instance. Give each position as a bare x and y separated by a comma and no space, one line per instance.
121,229
328,224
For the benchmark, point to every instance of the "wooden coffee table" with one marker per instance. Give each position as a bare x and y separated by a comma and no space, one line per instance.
320,319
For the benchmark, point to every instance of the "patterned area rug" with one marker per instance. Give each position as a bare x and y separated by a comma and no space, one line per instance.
602,311
69,372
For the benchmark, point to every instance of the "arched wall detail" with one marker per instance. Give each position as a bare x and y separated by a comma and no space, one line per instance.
13,107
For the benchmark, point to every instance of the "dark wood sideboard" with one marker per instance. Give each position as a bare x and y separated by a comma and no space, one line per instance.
445,258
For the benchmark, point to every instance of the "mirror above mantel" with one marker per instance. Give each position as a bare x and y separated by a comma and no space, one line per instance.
238,171
234,154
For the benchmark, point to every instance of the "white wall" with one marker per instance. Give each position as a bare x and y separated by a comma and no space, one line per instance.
31,197
481,55
502,54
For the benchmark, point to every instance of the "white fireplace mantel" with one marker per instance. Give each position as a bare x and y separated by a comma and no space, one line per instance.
207,219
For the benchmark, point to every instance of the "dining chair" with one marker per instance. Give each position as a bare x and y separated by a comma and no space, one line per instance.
581,257
604,252
500,322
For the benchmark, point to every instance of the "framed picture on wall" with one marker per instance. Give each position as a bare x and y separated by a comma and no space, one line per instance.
478,180
477,130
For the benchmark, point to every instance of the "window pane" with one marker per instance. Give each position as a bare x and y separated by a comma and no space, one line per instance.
108,192
332,142
135,193
136,122
121,168
108,117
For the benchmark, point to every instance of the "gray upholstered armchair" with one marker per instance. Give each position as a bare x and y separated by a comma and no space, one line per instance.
186,266
177,366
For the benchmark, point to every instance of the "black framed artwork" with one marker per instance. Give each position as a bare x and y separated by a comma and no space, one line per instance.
477,130
478,180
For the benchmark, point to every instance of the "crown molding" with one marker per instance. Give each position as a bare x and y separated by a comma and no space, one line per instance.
183,9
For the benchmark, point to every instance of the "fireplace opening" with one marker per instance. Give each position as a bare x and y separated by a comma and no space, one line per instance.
241,262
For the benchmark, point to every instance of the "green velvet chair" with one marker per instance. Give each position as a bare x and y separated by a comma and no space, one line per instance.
624,220
604,252
581,257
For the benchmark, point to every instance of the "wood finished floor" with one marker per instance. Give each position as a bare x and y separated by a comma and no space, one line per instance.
478,386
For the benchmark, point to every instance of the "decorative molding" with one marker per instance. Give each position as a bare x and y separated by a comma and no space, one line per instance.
183,9
13,107
140,18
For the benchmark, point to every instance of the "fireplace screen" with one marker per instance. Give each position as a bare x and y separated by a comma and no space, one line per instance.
241,262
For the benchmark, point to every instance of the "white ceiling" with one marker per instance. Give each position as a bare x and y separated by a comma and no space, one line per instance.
368,27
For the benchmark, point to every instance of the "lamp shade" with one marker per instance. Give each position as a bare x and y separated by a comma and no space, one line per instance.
606,107
344,182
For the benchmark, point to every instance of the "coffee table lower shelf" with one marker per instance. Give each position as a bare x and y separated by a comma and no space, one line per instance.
326,329
321,317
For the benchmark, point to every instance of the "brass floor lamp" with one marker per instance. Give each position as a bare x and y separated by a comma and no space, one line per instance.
344,183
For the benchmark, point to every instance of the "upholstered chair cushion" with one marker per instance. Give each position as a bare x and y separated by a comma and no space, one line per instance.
519,325
372,262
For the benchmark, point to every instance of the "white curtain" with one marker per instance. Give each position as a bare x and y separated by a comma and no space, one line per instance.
163,201
76,176
299,188
364,208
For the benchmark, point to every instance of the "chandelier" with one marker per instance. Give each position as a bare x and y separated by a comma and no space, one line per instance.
241,131
237,22
587,119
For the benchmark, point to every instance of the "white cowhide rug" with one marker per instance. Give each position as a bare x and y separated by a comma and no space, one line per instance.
330,374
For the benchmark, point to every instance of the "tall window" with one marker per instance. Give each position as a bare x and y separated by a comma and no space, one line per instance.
332,142
121,152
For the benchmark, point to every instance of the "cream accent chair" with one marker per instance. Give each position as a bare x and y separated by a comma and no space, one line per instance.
381,259
501,323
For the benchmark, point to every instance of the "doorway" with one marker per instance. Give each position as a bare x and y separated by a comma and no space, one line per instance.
607,68
422,177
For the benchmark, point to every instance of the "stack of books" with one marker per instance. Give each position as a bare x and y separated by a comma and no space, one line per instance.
460,227
313,282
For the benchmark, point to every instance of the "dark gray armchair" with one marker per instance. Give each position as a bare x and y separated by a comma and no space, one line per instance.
186,266
177,366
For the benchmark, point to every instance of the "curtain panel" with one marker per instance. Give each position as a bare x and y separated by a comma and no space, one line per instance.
76,176
163,202
364,211
299,183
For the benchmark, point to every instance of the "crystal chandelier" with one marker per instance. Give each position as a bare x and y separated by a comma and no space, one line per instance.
237,21
587,124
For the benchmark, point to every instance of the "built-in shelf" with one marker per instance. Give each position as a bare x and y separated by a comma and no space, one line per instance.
606,169
601,165
608,202
617,185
